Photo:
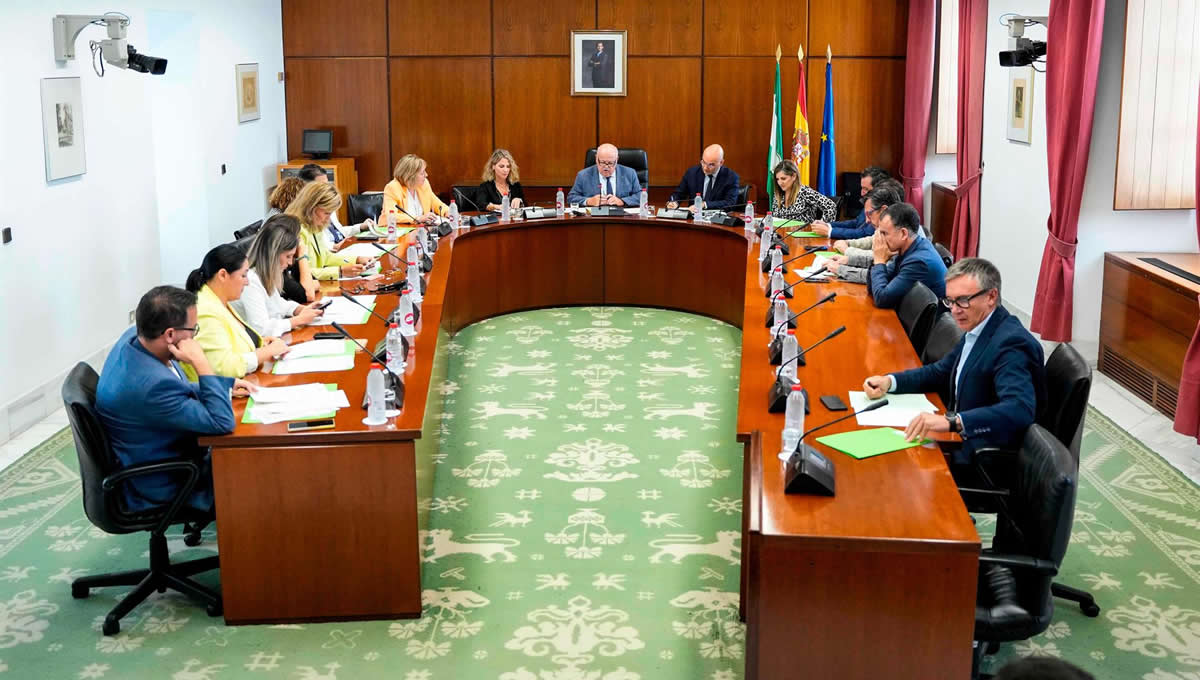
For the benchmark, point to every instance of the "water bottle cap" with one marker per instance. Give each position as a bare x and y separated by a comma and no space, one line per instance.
797,387
560,188
779,269
779,296
790,331
697,193
779,248
376,366
393,325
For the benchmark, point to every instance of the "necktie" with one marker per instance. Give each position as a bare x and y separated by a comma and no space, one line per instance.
707,184
608,186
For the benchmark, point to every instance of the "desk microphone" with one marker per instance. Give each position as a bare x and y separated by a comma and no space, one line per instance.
388,252
771,310
386,322
397,384
807,470
481,220
775,349
777,395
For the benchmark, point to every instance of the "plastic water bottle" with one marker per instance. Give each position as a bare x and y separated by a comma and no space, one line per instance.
410,255
787,365
395,349
764,243
698,204
405,316
776,281
391,232
793,419
414,281
748,215
453,213
780,315
768,225
505,208
560,204
777,257
376,401
643,202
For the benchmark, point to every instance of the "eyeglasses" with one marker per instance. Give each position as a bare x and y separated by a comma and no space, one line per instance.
607,164
709,165
872,211
194,329
963,301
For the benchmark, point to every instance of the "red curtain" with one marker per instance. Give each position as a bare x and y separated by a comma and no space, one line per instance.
918,88
972,55
1187,408
1072,66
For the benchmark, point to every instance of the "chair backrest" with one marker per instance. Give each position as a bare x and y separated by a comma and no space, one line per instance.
248,230
96,458
943,336
1038,516
1068,386
743,197
849,189
361,206
471,192
244,243
917,312
947,257
630,158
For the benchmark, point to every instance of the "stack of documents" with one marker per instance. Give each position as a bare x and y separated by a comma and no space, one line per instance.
818,262
346,312
296,402
316,356
899,412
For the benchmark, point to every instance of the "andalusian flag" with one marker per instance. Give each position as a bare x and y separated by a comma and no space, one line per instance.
827,170
800,152
775,153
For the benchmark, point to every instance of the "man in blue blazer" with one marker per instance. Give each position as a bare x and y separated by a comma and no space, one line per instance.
995,377
890,278
606,183
716,184
857,226
149,409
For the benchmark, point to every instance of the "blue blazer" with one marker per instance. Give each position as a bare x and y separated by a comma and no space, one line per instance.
856,227
890,282
587,184
151,415
722,194
1002,388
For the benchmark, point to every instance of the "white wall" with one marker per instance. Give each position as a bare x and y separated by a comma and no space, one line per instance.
152,200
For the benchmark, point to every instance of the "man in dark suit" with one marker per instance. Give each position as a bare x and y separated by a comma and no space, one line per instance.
857,226
602,66
716,184
994,378
149,409
890,278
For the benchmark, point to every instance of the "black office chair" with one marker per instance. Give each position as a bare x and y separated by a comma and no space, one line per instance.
248,230
244,243
1013,601
947,257
630,158
849,189
917,312
943,336
104,507
471,202
361,206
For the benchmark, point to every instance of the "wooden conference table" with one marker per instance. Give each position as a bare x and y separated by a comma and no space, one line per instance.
878,581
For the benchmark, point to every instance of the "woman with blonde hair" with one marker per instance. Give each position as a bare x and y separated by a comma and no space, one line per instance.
409,194
261,305
501,179
795,200
312,207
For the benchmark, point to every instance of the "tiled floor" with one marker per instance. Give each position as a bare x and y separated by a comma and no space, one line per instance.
1130,413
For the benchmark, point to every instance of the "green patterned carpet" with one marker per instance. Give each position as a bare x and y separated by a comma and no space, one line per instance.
584,526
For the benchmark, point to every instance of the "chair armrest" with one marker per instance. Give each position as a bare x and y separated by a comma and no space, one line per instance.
995,493
985,454
1020,562
111,482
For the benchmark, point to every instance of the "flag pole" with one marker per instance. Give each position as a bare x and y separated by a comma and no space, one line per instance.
778,53
828,54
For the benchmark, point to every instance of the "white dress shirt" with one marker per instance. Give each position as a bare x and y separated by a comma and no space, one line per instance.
268,314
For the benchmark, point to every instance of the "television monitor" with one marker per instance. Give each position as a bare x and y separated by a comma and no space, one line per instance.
318,143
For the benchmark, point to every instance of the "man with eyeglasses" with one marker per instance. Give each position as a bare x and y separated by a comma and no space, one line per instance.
148,408
854,264
857,226
716,184
606,182
994,380
915,260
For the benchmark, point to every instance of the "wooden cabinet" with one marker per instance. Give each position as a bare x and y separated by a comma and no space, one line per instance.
942,201
340,171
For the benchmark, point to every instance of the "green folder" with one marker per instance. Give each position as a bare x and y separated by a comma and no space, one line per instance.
247,420
805,234
861,444
797,225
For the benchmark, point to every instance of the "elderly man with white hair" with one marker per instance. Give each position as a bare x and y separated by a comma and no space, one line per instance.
716,184
606,183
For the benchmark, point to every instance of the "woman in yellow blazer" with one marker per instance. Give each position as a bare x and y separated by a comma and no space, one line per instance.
313,206
409,190
230,345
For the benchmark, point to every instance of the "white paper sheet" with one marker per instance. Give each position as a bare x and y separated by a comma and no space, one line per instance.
316,348
366,249
288,366
899,412
345,312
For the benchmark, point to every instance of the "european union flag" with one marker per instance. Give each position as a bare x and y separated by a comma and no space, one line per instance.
827,170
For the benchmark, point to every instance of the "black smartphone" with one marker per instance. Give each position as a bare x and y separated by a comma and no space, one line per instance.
323,303
305,425
328,336
833,402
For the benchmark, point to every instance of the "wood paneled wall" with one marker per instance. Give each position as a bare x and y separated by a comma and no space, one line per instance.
451,81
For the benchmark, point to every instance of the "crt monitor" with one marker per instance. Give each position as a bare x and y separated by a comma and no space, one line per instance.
318,143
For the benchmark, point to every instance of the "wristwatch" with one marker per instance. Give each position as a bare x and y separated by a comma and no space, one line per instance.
955,423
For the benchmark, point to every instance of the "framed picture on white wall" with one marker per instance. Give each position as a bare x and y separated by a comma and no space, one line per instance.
598,63
247,92
1020,104
62,128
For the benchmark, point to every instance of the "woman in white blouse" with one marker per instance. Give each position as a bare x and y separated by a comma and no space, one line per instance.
261,305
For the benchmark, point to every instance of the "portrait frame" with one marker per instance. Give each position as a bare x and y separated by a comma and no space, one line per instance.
1019,117
62,128
248,102
584,70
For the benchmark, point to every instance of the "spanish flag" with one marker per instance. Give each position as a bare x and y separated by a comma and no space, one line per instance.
800,152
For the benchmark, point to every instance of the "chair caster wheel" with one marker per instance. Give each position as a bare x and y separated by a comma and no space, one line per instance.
111,626
192,539
214,610
78,592
1090,610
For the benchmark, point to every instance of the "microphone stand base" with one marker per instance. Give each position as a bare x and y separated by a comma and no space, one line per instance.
397,388
775,353
777,396
771,318
787,293
484,220
444,229
765,263
809,472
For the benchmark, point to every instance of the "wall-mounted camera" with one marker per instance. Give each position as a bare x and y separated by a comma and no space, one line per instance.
1026,51
115,51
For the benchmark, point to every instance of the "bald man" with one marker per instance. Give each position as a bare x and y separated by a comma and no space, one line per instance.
716,184
606,182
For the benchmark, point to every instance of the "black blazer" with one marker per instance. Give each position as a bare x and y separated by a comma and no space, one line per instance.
722,194
488,193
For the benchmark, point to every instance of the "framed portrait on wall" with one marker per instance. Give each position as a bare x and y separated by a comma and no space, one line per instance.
247,92
62,128
1020,104
598,63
